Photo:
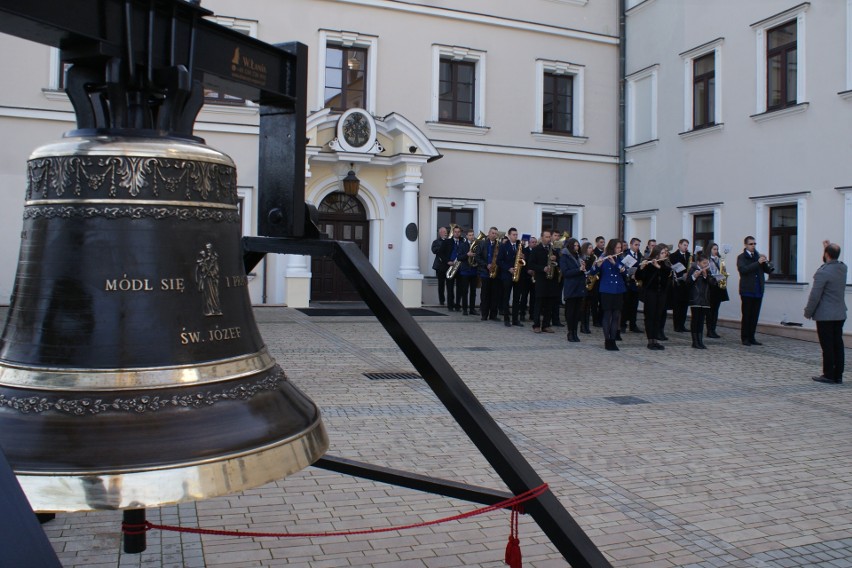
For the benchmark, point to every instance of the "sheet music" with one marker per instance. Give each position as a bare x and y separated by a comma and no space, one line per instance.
628,261
678,267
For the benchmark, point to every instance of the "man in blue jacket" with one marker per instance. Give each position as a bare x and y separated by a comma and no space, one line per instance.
827,307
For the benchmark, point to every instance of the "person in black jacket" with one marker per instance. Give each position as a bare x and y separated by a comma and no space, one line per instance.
655,273
450,251
546,289
573,270
492,288
680,299
439,265
511,289
631,298
698,283
752,267
467,276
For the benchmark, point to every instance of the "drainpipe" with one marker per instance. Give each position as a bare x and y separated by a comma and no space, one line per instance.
622,114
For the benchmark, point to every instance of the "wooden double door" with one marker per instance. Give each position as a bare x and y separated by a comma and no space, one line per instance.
342,218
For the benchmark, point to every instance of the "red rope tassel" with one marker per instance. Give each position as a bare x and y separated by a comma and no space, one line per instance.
513,547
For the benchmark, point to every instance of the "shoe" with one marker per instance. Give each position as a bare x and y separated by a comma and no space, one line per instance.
559,325
755,342
473,313
713,335
507,323
824,379
572,337
746,342
585,329
547,330
659,347
700,338
618,336
654,346
517,324
662,337
494,318
609,345
536,330
636,329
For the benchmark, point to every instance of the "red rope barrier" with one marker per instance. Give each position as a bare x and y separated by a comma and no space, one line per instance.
514,502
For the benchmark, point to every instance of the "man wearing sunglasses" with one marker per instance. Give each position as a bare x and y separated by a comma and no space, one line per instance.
752,267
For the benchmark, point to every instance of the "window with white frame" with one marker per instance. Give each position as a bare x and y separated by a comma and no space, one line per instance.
559,217
559,98
781,229
641,225
642,106
781,60
467,213
702,86
346,70
701,223
247,27
458,86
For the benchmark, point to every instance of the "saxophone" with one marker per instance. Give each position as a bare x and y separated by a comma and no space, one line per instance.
519,262
723,283
552,263
492,268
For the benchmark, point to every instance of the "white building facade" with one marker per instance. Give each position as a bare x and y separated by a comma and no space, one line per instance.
738,122
477,113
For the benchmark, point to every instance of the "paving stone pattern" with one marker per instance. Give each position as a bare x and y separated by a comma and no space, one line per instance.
733,457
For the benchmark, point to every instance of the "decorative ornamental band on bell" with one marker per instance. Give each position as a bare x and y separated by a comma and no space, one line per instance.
132,372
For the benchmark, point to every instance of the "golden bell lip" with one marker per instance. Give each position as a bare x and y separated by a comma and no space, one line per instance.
81,146
194,374
166,485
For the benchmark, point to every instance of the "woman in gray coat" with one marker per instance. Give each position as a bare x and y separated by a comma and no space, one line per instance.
827,306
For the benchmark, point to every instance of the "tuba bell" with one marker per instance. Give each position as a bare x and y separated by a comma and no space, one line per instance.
132,372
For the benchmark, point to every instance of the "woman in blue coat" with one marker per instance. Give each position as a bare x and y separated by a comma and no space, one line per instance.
573,271
612,289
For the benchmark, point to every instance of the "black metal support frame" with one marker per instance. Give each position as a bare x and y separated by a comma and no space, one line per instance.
149,59
568,537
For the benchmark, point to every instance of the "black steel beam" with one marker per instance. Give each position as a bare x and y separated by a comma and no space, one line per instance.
22,540
221,58
391,476
564,532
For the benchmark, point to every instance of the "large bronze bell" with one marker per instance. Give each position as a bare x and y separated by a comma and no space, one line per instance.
132,373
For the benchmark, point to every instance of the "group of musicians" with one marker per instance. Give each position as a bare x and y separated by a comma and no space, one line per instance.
601,281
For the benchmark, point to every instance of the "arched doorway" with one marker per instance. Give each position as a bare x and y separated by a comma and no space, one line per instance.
342,218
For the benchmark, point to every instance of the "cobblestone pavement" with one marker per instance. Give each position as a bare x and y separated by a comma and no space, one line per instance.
726,457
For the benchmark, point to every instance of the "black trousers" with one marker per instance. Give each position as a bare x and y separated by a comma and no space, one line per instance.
631,307
543,311
511,292
492,291
830,335
751,313
454,292
442,284
698,316
680,308
525,287
713,315
554,316
467,291
595,302
572,313
655,312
